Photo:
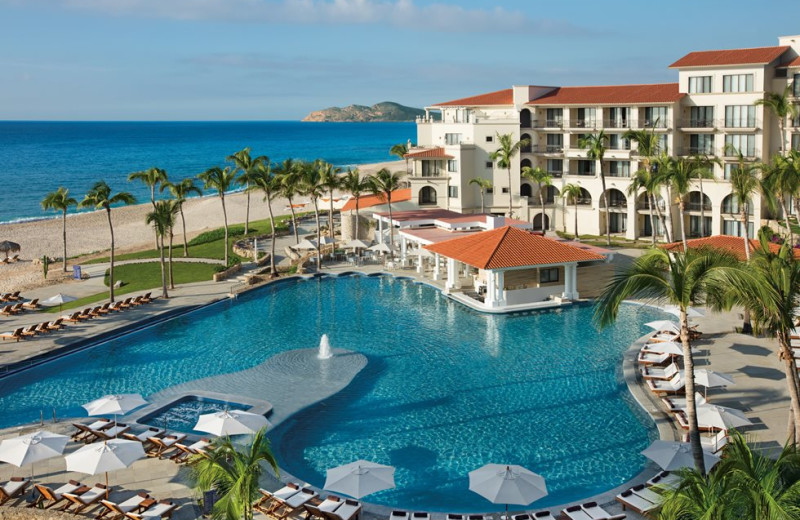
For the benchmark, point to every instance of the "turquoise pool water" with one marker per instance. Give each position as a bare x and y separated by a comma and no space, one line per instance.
446,389
183,415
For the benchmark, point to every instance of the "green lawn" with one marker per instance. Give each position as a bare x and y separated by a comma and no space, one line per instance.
140,278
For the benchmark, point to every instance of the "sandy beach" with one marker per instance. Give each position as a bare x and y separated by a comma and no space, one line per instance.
88,233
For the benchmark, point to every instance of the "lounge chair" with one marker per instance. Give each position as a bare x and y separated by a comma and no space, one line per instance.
119,509
521,516
95,313
184,453
163,444
596,512
14,258
137,301
5,296
270,501
399,515
347,511
712,443
29,331
676,404
660,373
126,304
14,296
634,502
575,513
113,432
16,334
451,516
673,386
33,304
42,328
86,313
85,430
14,488
419,515
56,325
664,480
75,317
49,497
161,509
294,503
7,310
117,307
648,494
543,515
17,307
144,436
331,503
653,358
82,500
664,336
147,298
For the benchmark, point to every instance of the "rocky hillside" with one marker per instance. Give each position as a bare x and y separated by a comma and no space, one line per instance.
386,111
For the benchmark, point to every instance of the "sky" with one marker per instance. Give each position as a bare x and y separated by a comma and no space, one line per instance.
280,59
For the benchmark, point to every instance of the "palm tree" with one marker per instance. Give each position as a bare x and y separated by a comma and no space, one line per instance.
383,183
782,106
595,145
573,192
400,151
678,174
60,200
151,178
504,156
289,177
221,180
682,279
330,180
704,169
647,148
483,185
645,180
355,185
542,179
744,184
780,179
701,497
270,184
180,191
247,166
311,185
233,470
162,219
99,197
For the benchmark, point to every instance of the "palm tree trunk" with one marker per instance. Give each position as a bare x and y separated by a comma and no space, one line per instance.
225,220
541,201
153,202
319,235
111,265
702,209
294,220
605,201
171,273
786,219
483,210
653,226
691,404
357,219
791,376
247,211
272,226
330,223
163,270
663,220
510,196
64,235
681,211
576,219
185,242
746,232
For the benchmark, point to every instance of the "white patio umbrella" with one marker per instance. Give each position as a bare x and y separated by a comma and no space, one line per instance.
710,379
672,456
33,447
231,422
722,417
103,457
115,404
667,325
507,484
666,347
59,299
380,248
691,312
306,244
422,253
356,244
359,478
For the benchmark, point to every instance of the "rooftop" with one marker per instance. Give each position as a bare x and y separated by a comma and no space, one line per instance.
376,200
754,56
500,97
611,94
510,247
428,153
727,243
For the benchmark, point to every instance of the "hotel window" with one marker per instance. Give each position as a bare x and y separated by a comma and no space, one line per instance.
452,165
452,192
489,164
655,117
796,142
726,171
616,142
618,117
795,122
663,143
740,116
549,275
701,117
555,117
746,144
734,228
586,118
585,167
619,169
489,138
796,85
452,138
701,143
555,143
555,166
737,83
700,85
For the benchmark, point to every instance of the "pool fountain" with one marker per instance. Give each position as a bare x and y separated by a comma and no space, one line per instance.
324,348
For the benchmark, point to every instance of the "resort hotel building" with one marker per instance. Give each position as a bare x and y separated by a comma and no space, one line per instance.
709,111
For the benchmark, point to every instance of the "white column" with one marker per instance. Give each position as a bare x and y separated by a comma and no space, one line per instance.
575,294
567,282
380,230
451,274
420,263
436,266
501,297
403,248
491,290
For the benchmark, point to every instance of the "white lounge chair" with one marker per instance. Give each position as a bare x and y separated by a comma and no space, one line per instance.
575,513
126,506
664,481
630,500
14,488
673,386
660,373
676,404
712,443
653,358
596,512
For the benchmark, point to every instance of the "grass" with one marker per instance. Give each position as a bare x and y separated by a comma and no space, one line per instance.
142,278
600,241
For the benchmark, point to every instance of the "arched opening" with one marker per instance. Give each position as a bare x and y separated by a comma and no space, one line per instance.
551,194
616,199
731,205
525,162
527,146
526,190
427,195
537,222
525,118
698,218
584,199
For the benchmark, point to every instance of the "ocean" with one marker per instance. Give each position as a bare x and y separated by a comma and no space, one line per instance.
38,157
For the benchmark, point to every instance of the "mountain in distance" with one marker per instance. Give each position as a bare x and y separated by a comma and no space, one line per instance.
380,112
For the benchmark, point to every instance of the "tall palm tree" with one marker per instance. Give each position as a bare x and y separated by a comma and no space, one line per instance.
543,180
221,180
180,191
783,107
682,279
483,185
311,185
383,183
645,180
356,185
162,218
270,184
151,178
60,200
780,179
247,166
678,174
400,151
233,470
99,197
744,184
504,158
704,169
289,177
647,149
330,180
573,192
595,145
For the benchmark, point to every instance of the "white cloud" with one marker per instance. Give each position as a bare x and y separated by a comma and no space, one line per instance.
446,17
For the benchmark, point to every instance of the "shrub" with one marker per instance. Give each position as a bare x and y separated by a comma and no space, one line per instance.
216,234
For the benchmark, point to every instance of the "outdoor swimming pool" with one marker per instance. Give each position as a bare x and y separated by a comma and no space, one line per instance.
446,389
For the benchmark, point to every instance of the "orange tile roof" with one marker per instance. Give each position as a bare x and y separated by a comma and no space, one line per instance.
756,55
375,200
727,243
611,94
501,97
430,153
510,247
794,63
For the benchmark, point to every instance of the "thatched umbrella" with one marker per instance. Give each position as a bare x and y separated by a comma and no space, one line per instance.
7,246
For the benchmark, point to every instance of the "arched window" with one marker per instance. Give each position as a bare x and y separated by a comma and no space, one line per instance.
551,195
525,118
525,162
527,147
616,198
525,190
427,195
537,222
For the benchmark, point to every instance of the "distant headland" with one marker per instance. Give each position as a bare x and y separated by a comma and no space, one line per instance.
380,112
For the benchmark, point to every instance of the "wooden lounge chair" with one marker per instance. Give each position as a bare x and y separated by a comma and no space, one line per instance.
113,432
105,309
163,444
653,358
75,317
86,313
5,296
147,298
14,488
712,443
95,313
29,331
43,328
634,502
331,503
184,453
14,296
270,501
126,304
663,374
33,304
347,511
137,301
144,436
14,258
49,497
594,511
543,515
294,503
56,325
575,513
7,310
16,334
82,498
85,430
17,308
126,506
399,515
161,509
664,480
419,515
673,386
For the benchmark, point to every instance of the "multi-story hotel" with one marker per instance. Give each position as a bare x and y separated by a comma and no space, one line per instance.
710,110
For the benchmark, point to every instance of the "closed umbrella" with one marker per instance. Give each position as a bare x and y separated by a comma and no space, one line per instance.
231,422
31,448
669,326
673,456
59,299
359,478
6,246
103,457
507,484
722,417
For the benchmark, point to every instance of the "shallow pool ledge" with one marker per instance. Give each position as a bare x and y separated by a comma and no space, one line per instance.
290,381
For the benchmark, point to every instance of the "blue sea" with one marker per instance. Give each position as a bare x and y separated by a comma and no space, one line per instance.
38,157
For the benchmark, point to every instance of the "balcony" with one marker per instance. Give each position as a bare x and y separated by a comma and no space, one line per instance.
622,147
616,123
697,206
741,126
658,124
699,150
584,123
699,123
619,175
557,174
583,201
548,123
548,148
581,173
753,153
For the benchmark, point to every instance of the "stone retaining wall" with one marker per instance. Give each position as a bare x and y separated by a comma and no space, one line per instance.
24,513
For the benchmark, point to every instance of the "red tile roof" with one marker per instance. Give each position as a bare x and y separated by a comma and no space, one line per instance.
430,153
501,97
510,247
375,200
727,243
612,94
756,55
794,63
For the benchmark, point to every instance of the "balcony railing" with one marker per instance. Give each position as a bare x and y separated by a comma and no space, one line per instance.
583,201
618,147
583,123
581,173
615,204
619,174
548,148
747,154
699,150
656,123
698,123
645,204
697,206
548,123
555,173
733,123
